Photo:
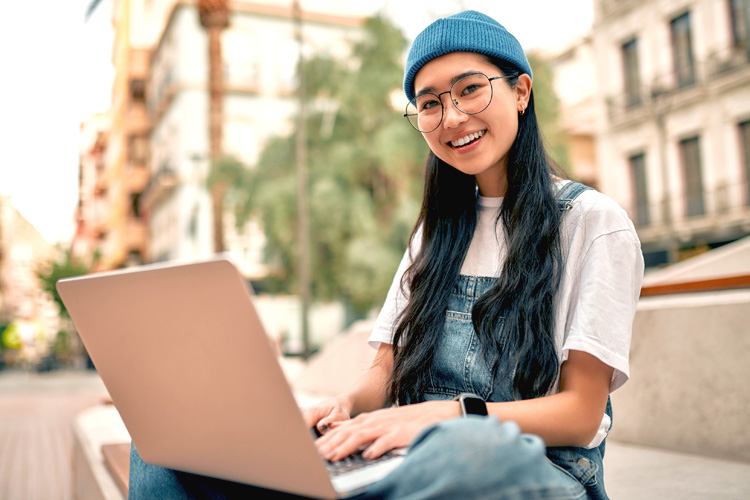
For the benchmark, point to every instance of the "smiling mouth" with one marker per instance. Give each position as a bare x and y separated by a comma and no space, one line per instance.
467,139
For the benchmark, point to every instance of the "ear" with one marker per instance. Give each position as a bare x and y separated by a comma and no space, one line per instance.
523,92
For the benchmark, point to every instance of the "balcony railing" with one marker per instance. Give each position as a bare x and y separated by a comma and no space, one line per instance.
136,235
666,89
136,178
720,199
726,216
161,186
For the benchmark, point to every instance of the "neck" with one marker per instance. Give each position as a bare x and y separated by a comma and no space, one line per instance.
492,185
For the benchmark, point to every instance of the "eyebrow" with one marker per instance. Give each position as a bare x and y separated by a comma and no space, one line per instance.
432,90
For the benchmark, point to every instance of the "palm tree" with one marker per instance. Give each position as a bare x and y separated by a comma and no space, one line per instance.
214,17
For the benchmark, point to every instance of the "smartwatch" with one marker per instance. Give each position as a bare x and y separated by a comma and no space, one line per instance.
471,404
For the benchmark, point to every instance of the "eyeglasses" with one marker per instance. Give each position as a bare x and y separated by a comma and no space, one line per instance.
471,94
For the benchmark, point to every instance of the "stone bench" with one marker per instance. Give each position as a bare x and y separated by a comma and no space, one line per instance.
674,463
631,472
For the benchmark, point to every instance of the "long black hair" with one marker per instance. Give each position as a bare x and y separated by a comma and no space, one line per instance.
517,313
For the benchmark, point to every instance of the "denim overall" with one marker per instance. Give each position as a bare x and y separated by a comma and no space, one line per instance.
459,366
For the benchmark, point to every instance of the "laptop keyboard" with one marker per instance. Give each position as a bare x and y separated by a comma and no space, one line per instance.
354,462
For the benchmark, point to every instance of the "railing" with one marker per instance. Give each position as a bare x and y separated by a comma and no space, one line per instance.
724,199
161,184
657,96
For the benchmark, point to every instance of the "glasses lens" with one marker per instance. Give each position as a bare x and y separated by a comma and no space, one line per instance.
472,94
425,112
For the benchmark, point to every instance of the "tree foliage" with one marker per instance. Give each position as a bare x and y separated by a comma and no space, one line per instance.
55,270
365,168
365,176
548,112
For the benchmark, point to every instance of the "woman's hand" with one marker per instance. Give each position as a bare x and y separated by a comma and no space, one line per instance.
324,414
368,393
380,431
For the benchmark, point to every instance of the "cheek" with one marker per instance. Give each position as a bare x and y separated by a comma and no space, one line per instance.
432,140
506,123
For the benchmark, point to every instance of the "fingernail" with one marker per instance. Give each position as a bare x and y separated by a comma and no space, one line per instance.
323,427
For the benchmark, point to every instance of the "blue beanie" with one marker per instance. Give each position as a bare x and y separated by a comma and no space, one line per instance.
469,31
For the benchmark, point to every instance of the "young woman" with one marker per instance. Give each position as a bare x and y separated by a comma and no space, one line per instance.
518,288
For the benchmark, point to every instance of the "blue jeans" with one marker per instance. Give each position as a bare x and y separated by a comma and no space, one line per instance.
472,458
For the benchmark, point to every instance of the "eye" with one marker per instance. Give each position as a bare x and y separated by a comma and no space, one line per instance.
469,85
469,89
427,103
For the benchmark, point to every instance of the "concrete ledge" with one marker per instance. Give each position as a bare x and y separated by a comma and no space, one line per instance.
631,472
688,391
93,428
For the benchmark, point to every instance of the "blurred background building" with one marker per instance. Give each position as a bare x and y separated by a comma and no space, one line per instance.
22,300
656,104
92,211
144,167
144,164
674,143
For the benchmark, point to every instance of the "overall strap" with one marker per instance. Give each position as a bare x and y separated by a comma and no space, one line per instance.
568,193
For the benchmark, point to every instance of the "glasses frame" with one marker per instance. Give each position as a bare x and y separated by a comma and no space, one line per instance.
455,105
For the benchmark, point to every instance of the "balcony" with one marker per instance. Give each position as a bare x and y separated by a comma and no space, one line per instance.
723,70
139,63
136,236
159,188
728,60
136,178
136,118
663,225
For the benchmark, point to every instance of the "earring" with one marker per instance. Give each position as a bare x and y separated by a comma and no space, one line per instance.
523,110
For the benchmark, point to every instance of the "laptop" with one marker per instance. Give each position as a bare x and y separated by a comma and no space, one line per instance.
186,360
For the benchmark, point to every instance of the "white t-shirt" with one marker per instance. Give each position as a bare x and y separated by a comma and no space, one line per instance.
598,293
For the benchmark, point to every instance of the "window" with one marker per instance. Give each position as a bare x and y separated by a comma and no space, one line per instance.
135,205
640,189
691,168
682,50
138,90
739,10
631,73
745,144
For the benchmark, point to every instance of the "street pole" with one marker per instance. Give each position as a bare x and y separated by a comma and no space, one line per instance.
303,224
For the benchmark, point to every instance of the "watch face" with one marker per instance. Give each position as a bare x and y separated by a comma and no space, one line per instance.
474,406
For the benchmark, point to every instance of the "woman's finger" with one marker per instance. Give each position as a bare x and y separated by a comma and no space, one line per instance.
378,448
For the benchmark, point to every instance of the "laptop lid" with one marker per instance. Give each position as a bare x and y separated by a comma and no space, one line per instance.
188,365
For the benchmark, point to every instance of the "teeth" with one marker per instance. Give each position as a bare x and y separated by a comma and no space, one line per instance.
466,140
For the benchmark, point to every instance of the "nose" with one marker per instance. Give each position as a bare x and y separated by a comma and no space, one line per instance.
452,116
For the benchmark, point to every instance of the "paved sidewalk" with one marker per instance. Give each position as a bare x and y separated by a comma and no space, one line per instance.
36,416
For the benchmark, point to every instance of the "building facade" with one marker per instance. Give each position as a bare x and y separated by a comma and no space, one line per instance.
674,143
113,159
92,211
151,165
